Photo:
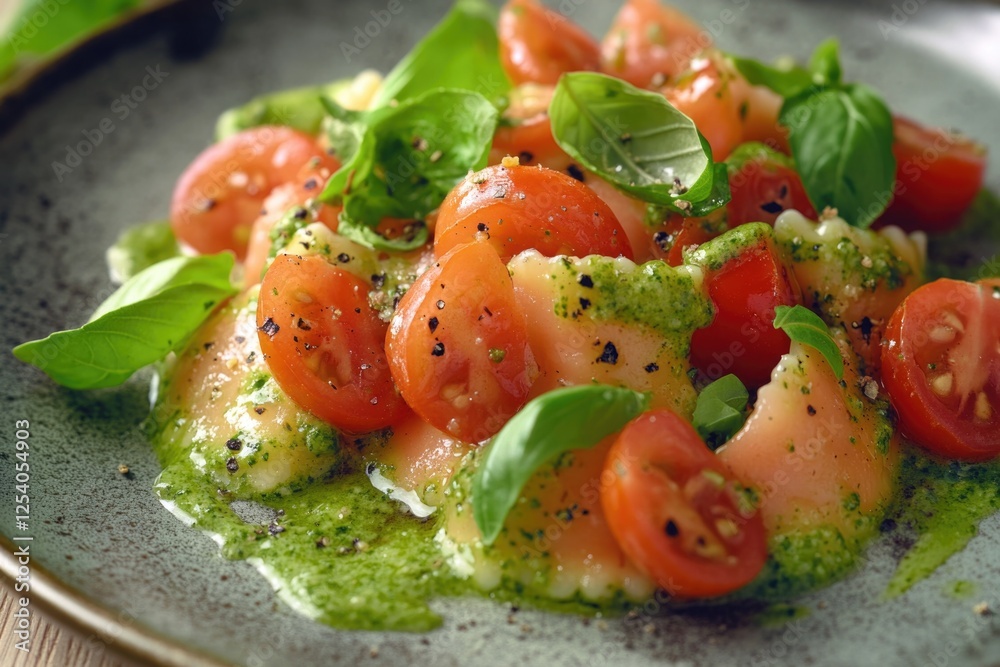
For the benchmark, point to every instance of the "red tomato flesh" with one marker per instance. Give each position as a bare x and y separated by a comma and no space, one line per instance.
763,185
742,339
323,344
538,45
938,174
941,368
458,345
220,194
676,510
518,208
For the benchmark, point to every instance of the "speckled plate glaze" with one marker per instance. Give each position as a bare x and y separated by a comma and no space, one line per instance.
109,560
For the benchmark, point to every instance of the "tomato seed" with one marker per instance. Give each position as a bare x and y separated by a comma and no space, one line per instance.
984,411
942,384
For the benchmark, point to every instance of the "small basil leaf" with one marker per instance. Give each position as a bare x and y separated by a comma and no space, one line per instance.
841,140
300,109
804,326
825,63
108,350
412,155
721,410
140,247
369,238
787,82
461,52
633,139
571,418
211,270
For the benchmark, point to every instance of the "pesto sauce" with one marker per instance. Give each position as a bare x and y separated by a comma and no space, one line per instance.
341,552
338,551
942,503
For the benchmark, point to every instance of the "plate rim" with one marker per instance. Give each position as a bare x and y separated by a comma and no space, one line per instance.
60,602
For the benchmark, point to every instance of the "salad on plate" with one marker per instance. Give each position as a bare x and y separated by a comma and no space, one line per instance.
567,322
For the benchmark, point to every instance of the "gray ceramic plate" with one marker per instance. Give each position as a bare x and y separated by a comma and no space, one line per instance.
112,562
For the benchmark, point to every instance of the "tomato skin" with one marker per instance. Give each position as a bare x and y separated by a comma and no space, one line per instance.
763,186
323,344
938,174
538,45
220,194
742,339
519,208
704,94
663,509
458,345
649,44
282,199
947,329
678,232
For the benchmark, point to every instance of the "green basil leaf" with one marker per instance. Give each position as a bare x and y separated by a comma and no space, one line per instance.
140,247
26,36
300,109
108,350
345,129
718,197
841,140
369,238
633,139
754,151
211,270
787,82
804,326
411,156
825,63
571,418
721,410
461,52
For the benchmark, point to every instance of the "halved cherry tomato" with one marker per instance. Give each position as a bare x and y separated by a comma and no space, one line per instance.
745,291
526,131
283,199
649,44
763,184
941,367
938,174
676,509
220,194
538,45
517,208
323,344
458,345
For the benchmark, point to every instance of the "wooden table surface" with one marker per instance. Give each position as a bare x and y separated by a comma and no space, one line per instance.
51,645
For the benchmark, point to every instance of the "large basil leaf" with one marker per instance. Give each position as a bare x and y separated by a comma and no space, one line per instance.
42,27
841,139
634,139
407,158
461,52
152,314
571,418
